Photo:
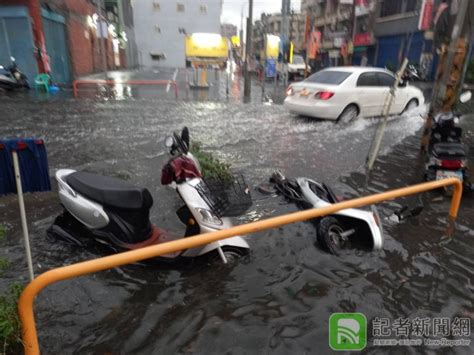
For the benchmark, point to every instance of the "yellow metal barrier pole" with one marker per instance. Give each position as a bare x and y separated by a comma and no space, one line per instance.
25,304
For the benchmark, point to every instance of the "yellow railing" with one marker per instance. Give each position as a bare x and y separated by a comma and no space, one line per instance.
25,304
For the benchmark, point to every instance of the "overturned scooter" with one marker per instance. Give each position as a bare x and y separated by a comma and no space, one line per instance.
341,229
116,213
351,226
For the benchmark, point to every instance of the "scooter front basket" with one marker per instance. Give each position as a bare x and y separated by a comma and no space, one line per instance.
226,198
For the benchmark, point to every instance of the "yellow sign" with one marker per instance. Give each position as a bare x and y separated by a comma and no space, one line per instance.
292,48
206,45
273,46
235,40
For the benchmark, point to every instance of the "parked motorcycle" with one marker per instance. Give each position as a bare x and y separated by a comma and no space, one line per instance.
12,78
411,73
116,213
447,155
341,229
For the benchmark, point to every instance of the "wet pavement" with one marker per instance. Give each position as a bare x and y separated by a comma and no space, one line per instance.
280,297
223,86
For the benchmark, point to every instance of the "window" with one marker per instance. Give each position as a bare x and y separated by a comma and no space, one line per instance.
395,7
203,9
332,77
156,7
297,59
391,7
367,79
180,7
157,29
410,5
385,79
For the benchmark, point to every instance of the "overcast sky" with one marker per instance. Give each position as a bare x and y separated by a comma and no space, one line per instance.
232,9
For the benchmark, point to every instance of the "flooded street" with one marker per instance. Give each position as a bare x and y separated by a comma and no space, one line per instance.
280,297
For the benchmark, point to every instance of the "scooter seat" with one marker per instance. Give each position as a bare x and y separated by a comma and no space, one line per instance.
449,150
110,191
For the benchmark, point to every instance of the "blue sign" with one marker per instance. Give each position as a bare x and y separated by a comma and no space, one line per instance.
270,68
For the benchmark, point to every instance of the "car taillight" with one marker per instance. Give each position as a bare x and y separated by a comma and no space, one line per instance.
323,95
452,164
289,91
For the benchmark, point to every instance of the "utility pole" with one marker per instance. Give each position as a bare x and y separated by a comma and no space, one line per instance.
449,71
353,32
264,59
285,31
248,49
307,37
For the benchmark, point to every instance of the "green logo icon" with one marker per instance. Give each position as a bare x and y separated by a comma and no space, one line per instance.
347,331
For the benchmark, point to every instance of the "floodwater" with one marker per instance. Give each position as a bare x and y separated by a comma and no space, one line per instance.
279,298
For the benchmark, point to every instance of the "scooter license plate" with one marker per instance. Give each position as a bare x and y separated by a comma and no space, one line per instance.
444,174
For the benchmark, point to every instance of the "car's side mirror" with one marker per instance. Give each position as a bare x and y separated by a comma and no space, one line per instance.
465,97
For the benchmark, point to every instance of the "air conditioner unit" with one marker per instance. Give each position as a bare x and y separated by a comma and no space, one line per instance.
157,56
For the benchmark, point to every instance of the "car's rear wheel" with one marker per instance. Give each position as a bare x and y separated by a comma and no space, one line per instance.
411,105
349,114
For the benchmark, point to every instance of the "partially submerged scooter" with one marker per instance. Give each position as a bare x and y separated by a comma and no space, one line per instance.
12,78
352,226
339,230
116,213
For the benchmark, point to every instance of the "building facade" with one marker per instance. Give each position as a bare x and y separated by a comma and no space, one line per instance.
120,14
397,34
272,24
333,20
161,27
380,32
228,30
61,37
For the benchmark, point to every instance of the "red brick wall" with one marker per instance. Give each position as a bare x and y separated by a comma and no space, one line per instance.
83,44
81,48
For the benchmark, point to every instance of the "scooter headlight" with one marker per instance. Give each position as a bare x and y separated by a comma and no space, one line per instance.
209,217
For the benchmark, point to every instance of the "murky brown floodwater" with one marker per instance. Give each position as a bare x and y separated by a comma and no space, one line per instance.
279,298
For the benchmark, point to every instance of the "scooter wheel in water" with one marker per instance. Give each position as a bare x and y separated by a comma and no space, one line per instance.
328,234
231,254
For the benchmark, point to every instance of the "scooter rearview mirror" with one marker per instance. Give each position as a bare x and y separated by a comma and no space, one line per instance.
185,137
169,141
465,97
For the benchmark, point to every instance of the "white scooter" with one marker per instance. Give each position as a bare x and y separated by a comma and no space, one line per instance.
337,231
116,213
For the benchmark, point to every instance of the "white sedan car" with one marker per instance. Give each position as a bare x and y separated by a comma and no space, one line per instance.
345,93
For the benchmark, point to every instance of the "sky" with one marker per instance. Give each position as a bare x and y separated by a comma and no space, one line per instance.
232,9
